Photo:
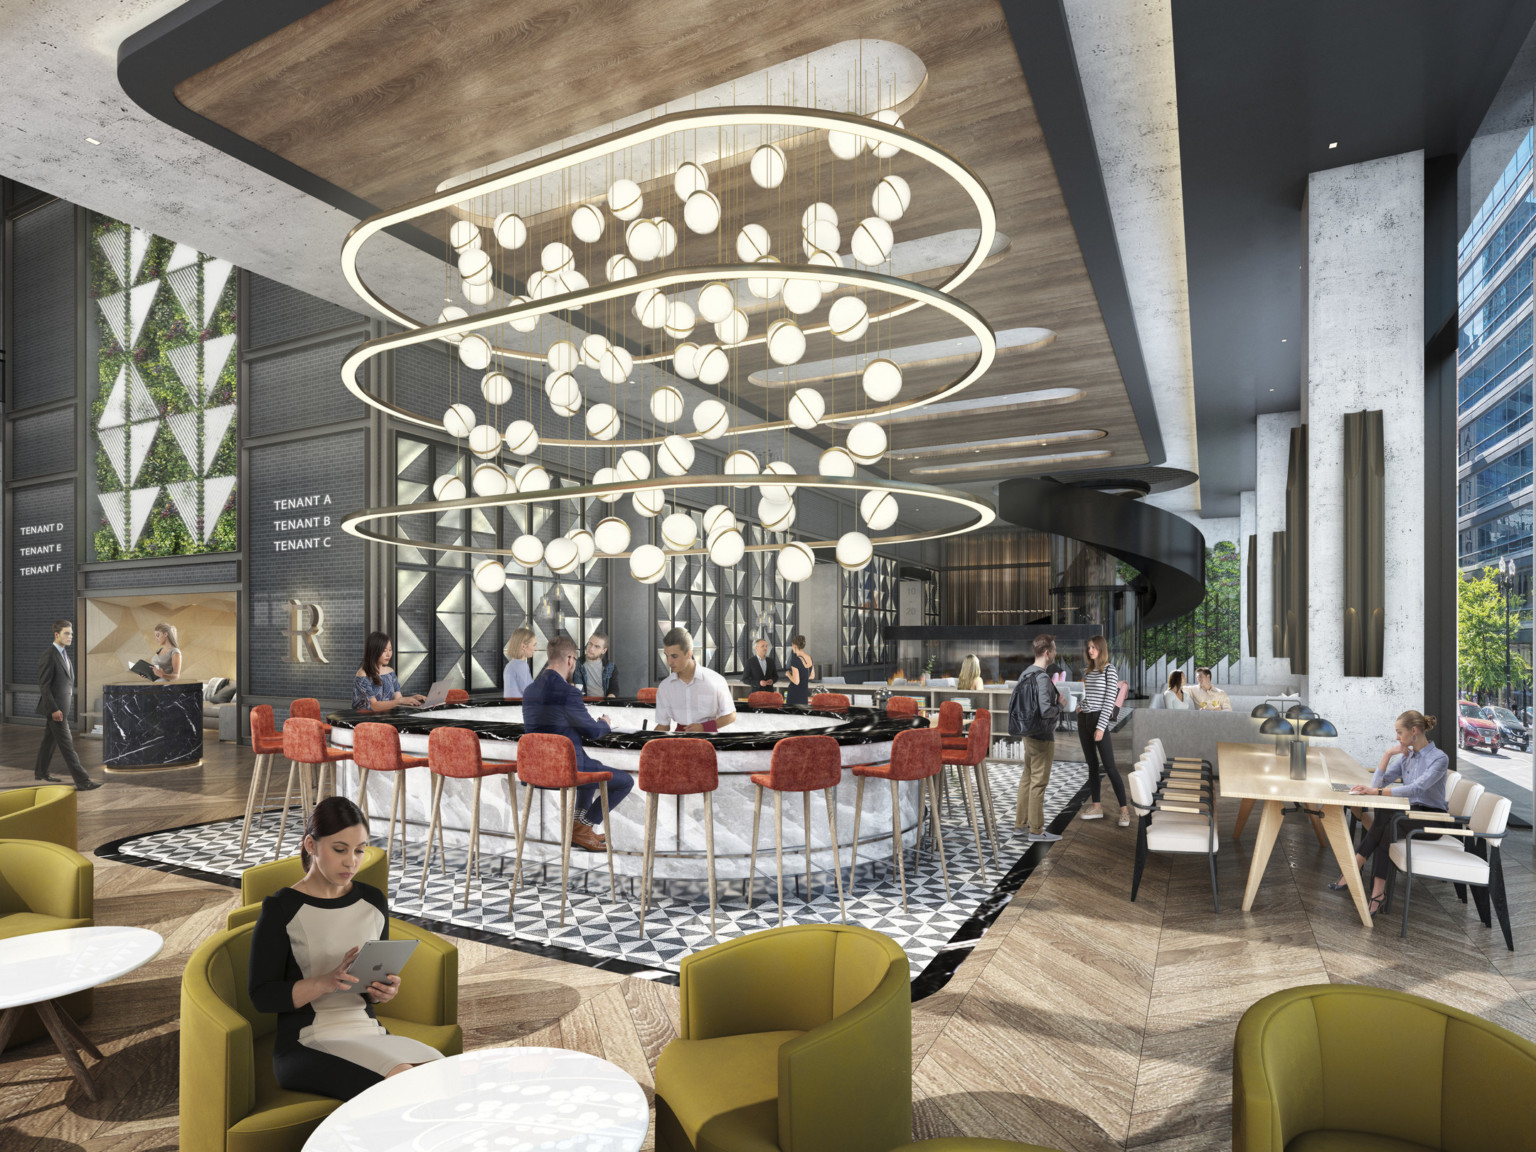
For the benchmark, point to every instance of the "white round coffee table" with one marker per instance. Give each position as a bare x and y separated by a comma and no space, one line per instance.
509,1099
37,969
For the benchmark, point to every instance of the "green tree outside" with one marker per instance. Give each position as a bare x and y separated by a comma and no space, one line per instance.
1483,640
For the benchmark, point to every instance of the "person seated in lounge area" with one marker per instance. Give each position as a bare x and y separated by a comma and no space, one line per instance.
553,704
328,1039
376,688
1412,768
1208,698
1176,696
694,698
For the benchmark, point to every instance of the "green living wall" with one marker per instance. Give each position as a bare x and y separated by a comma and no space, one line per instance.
163,417
1212,632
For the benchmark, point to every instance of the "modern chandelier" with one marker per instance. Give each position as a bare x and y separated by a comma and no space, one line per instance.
699,246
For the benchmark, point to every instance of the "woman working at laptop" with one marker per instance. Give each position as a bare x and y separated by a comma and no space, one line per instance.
376,688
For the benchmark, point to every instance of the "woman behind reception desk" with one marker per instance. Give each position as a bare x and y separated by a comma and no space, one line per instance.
167,658
376,688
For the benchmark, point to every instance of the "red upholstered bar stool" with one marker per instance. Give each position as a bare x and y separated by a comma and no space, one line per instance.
266,743
677,767
974,756
902,706
457,696
545,760
831,702
765,700
304,744
803,764
646,695
308,708
915,755
455,752
952,724
376,748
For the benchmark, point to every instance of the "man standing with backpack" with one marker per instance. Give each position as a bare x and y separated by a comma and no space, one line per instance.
1033,713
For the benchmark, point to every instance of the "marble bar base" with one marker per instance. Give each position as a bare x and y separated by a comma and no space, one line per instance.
679,823
149,726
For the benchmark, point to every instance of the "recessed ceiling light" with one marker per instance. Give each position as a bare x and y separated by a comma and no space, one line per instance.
1335,144
1282,339
1271,389
92,140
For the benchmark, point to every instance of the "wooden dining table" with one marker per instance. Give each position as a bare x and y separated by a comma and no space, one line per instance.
1253,773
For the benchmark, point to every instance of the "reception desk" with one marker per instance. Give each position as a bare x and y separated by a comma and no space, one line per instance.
146,726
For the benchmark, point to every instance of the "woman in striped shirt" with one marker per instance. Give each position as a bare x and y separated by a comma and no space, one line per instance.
1101,690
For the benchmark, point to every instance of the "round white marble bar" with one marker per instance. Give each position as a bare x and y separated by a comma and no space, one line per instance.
680,838
507,1099
46,965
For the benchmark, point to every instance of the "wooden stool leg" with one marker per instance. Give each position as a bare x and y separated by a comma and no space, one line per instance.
472,861
757,817
981,852
250,802
938,832
709,853
426,864
613,886
778,846
306,790
989,817
922,813
806,820
282,819
567,803
395,807
266,784
362,799
8,1021
517,866
837,872
651,800
898,854
858,809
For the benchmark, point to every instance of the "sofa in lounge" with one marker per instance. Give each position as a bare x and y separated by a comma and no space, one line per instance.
46,812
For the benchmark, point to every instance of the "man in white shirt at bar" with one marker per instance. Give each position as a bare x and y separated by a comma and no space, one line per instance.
694,698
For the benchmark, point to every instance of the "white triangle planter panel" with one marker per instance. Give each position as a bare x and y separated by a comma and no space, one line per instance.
184,494
216,493
141,437
141,503
216,422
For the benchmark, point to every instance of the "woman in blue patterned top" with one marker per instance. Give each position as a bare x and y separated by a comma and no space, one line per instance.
1412,769
376,688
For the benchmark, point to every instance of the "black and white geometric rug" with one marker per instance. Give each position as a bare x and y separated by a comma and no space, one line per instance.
599,929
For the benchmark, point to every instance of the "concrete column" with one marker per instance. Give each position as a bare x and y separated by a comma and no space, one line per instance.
1365,350
1247,526
1273,448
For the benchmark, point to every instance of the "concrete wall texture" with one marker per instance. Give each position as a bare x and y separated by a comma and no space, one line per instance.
1365,350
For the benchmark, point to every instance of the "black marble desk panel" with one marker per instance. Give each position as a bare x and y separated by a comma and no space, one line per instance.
151,725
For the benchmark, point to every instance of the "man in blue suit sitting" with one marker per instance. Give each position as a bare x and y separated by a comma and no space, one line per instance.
553,704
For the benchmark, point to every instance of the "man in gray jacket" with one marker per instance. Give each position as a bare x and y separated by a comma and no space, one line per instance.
1033,712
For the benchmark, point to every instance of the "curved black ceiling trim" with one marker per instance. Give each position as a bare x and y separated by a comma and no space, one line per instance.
1044,44
1167,550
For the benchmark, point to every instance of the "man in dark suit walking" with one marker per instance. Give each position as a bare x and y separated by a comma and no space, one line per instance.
55,697
762,668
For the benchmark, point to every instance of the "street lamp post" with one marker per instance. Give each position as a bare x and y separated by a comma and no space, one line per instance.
1506,581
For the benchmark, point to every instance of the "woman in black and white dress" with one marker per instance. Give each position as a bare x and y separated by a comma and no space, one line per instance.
1101,692
328,1039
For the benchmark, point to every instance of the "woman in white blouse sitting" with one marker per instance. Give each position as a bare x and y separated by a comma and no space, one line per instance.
1176,696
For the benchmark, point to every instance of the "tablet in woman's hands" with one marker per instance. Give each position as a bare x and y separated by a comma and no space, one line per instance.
381,959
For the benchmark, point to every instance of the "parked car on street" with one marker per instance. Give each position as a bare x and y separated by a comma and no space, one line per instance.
1475,731
1512,733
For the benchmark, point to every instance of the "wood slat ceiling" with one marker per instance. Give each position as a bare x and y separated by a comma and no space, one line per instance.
386,98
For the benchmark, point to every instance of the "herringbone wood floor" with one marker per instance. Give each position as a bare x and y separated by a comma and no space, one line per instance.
1081,1020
